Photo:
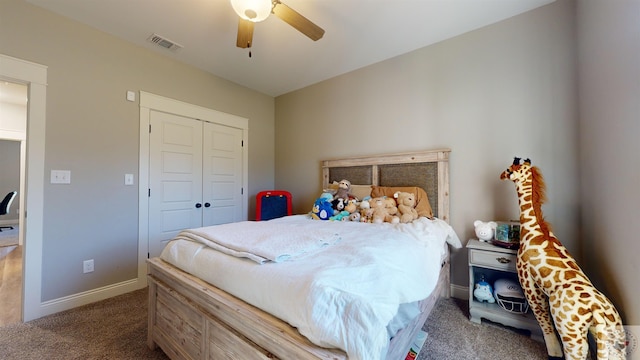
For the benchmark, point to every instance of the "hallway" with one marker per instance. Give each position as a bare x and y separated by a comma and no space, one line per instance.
10,284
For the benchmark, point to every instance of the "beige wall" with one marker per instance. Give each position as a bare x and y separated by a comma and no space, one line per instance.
93,131
502,91
609,53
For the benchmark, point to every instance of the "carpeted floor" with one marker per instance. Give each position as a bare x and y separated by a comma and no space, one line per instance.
116,329
451,336
112,329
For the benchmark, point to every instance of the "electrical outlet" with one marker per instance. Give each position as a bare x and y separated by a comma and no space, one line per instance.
87,266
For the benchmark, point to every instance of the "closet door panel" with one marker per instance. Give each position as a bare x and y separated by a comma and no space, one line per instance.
175,173
222,174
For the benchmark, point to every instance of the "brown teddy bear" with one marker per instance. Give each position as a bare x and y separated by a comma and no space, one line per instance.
406,206
383,210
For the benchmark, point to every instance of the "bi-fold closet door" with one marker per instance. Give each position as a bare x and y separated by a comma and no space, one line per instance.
195,176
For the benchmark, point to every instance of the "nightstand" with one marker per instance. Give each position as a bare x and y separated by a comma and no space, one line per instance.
492,263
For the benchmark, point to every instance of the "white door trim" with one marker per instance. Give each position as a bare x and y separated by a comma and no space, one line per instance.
35,76
149,101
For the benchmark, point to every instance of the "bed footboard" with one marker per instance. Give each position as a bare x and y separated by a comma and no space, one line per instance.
191,319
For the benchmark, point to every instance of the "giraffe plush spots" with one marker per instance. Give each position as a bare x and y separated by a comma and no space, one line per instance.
557,289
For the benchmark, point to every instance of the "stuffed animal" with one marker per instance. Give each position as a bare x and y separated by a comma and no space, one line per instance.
392,209
485,230
341,216
322,209
383,211
366,215
352,206
483,292
406,206
343,190
355,217
337,205
366,212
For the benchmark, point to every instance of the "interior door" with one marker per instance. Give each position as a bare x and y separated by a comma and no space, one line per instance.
175,177
222,174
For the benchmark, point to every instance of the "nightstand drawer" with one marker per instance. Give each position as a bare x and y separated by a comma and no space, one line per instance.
495,260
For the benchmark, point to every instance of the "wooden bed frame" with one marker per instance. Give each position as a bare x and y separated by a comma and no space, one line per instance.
191,319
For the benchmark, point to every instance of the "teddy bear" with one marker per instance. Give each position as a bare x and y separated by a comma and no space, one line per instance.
364,208
485,230
383,211
406,206
390,204
344,186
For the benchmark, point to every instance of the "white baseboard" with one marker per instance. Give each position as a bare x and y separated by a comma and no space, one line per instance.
459,292
87,297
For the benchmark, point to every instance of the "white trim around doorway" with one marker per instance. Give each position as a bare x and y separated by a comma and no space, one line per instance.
35,76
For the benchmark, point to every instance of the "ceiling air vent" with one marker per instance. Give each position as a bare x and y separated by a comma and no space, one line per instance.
164,42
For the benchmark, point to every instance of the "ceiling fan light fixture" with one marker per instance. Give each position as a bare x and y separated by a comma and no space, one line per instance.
252,10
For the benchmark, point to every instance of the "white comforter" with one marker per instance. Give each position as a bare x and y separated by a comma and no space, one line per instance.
341,295
265,241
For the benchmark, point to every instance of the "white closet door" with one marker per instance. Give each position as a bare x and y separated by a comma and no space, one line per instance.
175,177
222,174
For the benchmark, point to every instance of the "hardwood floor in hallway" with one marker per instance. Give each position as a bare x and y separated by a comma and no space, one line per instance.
10,284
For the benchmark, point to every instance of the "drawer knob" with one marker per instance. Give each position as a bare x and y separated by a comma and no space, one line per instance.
503,260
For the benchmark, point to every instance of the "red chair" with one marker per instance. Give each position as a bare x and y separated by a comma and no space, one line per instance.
272,204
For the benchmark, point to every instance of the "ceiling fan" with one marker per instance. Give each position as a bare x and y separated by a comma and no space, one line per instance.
253,11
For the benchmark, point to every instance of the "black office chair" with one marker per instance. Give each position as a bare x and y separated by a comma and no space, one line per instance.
5,205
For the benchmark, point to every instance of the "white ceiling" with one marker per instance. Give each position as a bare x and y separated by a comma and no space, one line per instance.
358,33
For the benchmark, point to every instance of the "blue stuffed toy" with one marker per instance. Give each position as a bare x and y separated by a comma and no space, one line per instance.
322,209
341,216
483,292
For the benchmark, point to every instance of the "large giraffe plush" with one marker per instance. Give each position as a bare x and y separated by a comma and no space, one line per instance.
557,289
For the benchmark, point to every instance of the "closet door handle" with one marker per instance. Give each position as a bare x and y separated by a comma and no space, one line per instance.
198,206
207,204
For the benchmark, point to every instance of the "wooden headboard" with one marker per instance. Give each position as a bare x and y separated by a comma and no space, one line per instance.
426,169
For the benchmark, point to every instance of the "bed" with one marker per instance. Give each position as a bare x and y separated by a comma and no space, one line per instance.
189,318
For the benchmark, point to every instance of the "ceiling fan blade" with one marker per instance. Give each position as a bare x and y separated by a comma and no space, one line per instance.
245,33
299,22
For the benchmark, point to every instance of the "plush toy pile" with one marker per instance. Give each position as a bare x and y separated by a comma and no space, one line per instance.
339,204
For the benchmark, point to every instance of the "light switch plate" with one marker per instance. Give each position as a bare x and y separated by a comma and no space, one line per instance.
131,96
128,179
60,176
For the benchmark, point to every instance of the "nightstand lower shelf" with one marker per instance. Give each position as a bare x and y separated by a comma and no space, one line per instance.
490,263
493,312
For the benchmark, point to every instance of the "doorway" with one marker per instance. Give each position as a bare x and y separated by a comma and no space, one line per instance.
13,127
34,77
